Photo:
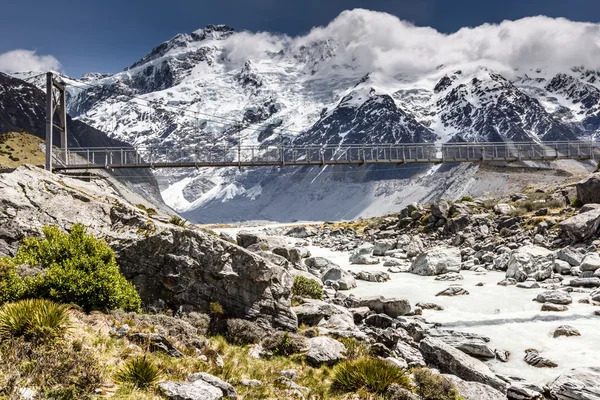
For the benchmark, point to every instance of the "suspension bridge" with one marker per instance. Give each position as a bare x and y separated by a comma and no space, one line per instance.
63,158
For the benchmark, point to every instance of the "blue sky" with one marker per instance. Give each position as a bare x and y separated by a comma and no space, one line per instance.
108,35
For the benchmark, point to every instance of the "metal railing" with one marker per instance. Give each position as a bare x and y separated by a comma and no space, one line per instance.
352,154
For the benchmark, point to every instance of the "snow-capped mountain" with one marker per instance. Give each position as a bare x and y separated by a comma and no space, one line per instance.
349,82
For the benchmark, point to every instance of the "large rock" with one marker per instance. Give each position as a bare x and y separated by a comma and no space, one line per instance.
172,267
591,262
475,390
469,343
453,361
363,255
291,254
440,209
373,276
383,246
577,384
227,389
566,330
530,261
343,279
554,297
581,226
437,261
319,263
324,350
314,311
390,306
198,390
570,255
588,189
301,232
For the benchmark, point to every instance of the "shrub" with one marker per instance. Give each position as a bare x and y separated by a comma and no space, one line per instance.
12,287
139,372
285,343
33,319
242,332
306,287
431,386
373,375
354,348
466,199
80,269
177,220
215,309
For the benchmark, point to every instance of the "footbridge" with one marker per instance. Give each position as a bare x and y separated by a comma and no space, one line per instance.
319,155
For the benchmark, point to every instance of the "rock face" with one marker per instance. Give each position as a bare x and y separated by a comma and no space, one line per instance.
450,360
530,261
581,226
577,384
325,350
437,261
588,189
172,267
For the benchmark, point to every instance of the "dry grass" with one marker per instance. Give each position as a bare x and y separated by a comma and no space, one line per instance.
21,148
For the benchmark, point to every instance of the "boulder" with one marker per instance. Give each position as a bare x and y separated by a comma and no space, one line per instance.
319,263
375,276
440,209
453,291
566,330
311,312
530,262
588,189
437,261
530,283
397,392
577,384
591,262
562,267
379,321
157,342
390,306
363,255
474,390
301,232
554,297
324,350
570,255
453,361
198,390
503,208
581,226
343,279
227,389
469,343
533,358
554,307
291,254
593,282
383,246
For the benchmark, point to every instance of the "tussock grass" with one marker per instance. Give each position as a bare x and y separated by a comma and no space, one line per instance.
140,372
372,375
33,319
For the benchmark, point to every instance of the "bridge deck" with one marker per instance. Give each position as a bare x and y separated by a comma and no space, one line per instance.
280,156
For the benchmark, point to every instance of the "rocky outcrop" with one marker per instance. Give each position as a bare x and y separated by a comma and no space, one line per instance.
588,189
450,360
437,261
577,384
530,261
475,390
581,226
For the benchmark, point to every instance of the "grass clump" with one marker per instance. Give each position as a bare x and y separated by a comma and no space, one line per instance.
177,220
370,374
285,343
242,332
466,199
431,386
139,372
306,287
33,319
79,269
149,211
216,309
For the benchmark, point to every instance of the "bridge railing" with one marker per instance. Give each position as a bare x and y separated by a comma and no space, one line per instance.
202,156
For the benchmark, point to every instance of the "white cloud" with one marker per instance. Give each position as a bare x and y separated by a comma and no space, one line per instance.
369,40
27,60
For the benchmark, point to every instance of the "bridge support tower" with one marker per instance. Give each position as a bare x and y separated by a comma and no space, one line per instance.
56,102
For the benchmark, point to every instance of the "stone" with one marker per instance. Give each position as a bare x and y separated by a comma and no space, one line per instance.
379,321
474,390
227,389
588,189
591,262
585,282
562,267
503,208
554,297
344,279
291,254
311,312
533,358
319,263
520,391
437,261
363,255
375,276
530,283
430,306
502,355
453,291
360,313
410,354
250,382
566,330
577,384
392,307
582,226
440,209
324,350
554,307
397,392
530,262
301,232
469,343
570,255
507,282
450,277
157,342
198,390
453,361
383,246
290,374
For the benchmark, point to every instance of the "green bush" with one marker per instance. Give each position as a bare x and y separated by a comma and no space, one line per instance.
139,372
12,287
431,386
466,199
33,319
306,287
176,220
285,343
370,374
80,269
216,309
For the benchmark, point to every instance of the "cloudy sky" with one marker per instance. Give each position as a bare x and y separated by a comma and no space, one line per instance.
106,36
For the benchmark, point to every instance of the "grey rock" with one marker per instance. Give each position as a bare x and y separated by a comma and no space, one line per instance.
291,254
503,208
383,246
534,359
250,382
397,392
570,255
227,389
375,276
198,390
379,321
453,361
554,297
430,306
475,390
469,343
157,342
453,291
520,391
324,350
562,267
591,262
314,311
593,282
450,277
530,262
363,255
502,355
344,279
319,263
577,384
440,209
301,232
507,282
392,307
530,283
410,354
588,189
554,307
566,330
581,226
437,261
290,374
